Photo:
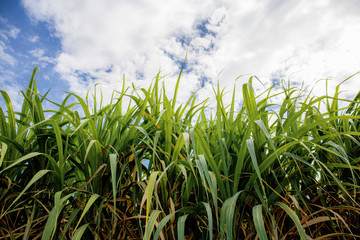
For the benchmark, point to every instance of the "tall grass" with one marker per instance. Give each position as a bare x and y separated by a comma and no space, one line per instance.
151,169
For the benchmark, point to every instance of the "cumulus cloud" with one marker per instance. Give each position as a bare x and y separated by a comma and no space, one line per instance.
6,57
7,31
40,57
12,88
34,39
302,41
298,40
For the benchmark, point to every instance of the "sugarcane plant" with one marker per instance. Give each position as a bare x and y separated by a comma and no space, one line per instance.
143,166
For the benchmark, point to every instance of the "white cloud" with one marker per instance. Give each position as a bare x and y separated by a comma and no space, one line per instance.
301,40
40,58
13,32
12,88
6,57
37,52
34,39
7,30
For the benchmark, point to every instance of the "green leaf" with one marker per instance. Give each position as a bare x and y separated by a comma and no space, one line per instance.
151,224
3,152
87,207
20,160
259,222
78,234
51,222
35,178
181,226
210,219
11,116
150,190
113,162
251,147
162,225
71,219
227,216
295,219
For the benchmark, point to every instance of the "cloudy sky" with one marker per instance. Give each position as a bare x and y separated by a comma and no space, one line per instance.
77,43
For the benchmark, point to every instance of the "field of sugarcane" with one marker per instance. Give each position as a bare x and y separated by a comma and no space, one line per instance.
146,167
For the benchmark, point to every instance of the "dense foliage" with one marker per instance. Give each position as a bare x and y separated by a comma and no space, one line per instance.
153,169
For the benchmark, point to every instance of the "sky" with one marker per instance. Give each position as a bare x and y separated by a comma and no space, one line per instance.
78,43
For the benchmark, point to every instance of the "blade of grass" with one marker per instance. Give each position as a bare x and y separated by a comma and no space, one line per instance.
181,226
210,219
33,180
259,222
227,216
295,219
80,231
3,152
86,209
150,226
162,225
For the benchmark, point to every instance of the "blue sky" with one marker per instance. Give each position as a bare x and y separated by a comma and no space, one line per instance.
25,44
78,43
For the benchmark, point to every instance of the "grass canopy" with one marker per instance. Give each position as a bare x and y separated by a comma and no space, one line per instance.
148,168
